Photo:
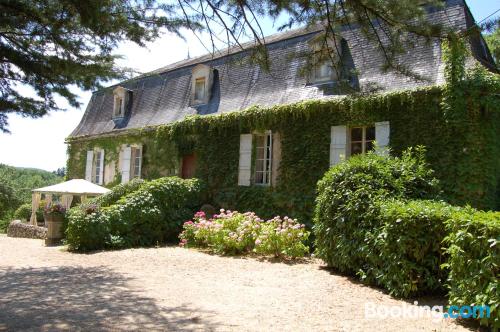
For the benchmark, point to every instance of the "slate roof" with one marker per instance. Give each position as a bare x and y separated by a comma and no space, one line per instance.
163,95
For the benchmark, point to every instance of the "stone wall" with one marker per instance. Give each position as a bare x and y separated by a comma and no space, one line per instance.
20,229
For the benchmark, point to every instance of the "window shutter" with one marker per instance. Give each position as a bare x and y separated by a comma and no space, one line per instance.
245,163
276,158
139,153
101,168
382,132
338,144
126,155
88,165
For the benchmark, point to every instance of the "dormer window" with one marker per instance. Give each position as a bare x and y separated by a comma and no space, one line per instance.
121,98
201,84
325,60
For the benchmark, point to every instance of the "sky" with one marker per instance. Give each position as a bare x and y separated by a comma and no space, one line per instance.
39,143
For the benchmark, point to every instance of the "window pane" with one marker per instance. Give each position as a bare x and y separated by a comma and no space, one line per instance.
356,134
259,165
259,141
356,148
370,133
259,153
259,177
199,89
369,146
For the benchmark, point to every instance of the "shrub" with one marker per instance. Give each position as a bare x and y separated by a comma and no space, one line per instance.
117,192
406,247
232,232
474,261
149,215
86,229
23,212
347,219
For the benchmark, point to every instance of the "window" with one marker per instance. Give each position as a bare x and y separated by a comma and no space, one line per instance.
325,59
201,84
97,167
135,165
118,110
361,139
263,158
199,89
323,71
122,97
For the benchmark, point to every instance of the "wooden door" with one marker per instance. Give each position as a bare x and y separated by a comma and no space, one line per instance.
188,166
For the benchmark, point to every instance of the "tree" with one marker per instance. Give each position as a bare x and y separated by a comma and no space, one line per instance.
51,45
493,41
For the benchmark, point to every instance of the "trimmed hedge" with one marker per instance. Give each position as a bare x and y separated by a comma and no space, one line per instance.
152,214
371,220
406,247
347,222
473,251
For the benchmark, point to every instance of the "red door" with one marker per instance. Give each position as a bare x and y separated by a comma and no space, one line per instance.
188,166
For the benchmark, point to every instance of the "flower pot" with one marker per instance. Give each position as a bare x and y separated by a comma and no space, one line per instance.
54,228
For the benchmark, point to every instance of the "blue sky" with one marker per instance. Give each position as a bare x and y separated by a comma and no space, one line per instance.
39,143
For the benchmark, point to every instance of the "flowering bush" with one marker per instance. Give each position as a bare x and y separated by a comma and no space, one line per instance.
232,232
56,208
282,237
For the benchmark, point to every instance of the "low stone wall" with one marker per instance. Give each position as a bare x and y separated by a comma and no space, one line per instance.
19,229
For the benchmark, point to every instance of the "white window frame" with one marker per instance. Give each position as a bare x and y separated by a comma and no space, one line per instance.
97,163
363,141
204,89
118,109
267,160
135,169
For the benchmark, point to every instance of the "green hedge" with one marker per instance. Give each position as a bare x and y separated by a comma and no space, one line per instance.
117,192
406,247
152,214
347,225
474,260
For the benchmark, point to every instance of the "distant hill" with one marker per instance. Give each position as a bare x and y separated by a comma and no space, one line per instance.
23,180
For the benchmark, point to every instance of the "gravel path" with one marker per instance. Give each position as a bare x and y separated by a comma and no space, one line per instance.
171,288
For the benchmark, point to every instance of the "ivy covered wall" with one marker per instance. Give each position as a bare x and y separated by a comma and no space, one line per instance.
462,140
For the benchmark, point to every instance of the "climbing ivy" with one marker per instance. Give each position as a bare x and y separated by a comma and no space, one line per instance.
459,123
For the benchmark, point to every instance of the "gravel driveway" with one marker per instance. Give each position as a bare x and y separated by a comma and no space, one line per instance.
171,288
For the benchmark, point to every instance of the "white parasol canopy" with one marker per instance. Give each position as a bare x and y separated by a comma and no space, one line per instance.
68,189
75,186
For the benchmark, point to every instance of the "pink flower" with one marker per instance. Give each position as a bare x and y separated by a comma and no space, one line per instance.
257,242
200,214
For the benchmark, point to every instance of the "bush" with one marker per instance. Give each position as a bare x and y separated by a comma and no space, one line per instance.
474,261
117,192
347,219
5,221
232,232
23,212
150,215
406,247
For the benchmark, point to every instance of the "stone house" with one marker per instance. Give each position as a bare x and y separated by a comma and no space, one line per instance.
227,82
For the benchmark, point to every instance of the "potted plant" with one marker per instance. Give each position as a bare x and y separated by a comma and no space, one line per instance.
54,215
